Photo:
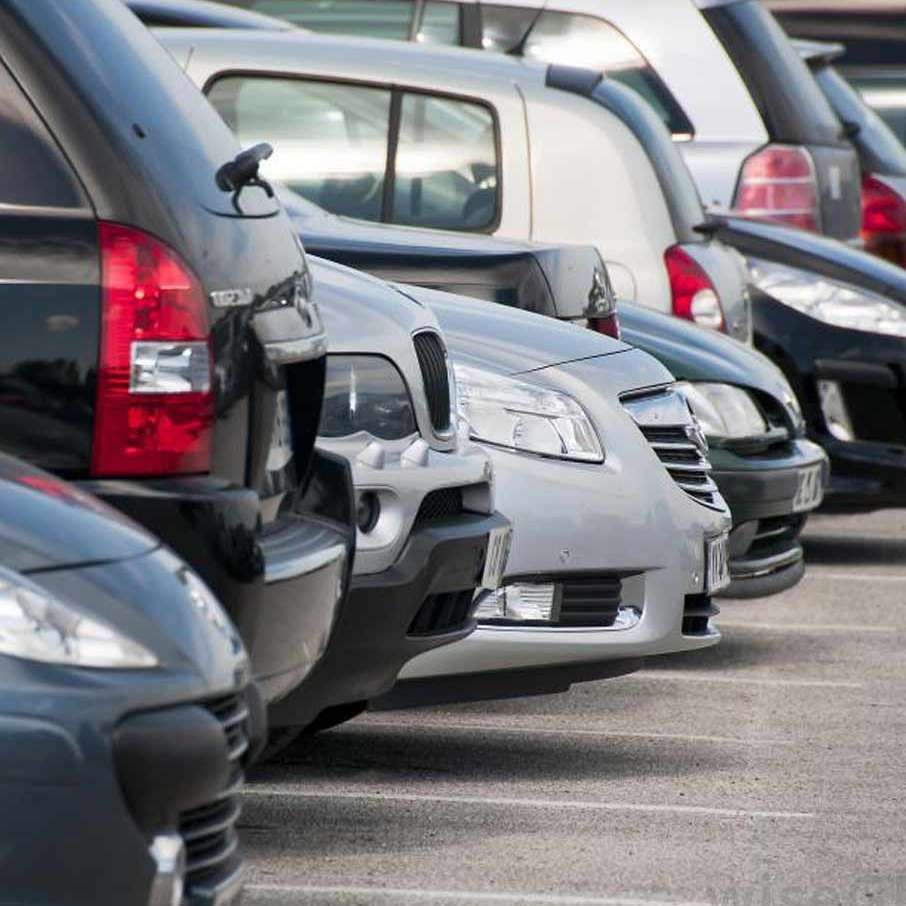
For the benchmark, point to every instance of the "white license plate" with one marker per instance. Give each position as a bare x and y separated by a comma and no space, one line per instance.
281,449
717,564
810,492
498,551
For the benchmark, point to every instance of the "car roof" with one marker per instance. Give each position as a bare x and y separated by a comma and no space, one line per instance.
365,58
202,14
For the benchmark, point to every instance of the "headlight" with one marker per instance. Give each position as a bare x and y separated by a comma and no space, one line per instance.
725,412
37,626
831,301
365,393
520,416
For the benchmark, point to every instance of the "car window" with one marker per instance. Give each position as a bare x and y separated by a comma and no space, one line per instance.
439,23
363,18
330,140
789,100
446,164
886,94
34,171
579,40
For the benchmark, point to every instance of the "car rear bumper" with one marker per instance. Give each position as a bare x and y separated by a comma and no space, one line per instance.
765,554
282,585
422,602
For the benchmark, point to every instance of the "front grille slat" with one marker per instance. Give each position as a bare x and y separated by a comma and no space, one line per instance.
209,831
432,359
590,602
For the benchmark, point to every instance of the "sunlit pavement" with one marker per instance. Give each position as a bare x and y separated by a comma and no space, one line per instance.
768,771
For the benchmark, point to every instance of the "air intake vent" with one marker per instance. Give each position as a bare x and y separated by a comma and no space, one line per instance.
665,420
432,357
448,611
590,602
439,504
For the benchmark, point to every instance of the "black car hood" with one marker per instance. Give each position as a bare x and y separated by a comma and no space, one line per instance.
47,524
811,251
558,280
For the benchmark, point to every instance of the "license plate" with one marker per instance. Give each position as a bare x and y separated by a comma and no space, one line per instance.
281,449
717,564
498,552
810,491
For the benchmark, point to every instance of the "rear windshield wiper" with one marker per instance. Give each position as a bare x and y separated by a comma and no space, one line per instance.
242,171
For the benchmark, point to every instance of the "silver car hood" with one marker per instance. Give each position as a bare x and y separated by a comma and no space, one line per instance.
508,340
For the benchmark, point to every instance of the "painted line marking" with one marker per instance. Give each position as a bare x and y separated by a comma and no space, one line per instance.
556,731
814,572
677,676
467,896
277,791
804,627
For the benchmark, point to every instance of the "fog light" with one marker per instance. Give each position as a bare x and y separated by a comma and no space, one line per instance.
836,414
518,603
169,856
367,512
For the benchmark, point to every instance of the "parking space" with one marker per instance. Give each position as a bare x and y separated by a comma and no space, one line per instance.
767,771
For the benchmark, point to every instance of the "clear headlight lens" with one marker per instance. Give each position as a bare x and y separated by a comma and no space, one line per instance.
520,416
37,626
724,411
365,393
831,301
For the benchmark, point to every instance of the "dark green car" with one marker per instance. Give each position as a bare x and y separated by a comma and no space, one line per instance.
770,475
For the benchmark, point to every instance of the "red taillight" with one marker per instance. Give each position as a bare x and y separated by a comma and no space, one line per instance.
155,405
694,295
608,325
883,220
779,183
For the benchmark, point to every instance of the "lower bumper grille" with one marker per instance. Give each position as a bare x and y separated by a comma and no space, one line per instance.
590,602
439,504
209,831
445,612
776,530
697,610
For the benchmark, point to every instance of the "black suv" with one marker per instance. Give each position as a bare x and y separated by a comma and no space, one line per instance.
160,348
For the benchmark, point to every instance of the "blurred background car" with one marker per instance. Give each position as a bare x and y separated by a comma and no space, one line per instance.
427,534
617,182
160,347
749,120
128,710
620,534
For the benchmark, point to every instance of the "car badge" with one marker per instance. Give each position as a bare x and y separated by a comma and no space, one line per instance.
232,298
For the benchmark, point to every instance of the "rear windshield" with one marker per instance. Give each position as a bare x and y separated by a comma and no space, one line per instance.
791,104
880,150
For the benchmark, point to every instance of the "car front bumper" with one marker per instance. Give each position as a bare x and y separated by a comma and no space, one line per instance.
282,585
765,554
376,632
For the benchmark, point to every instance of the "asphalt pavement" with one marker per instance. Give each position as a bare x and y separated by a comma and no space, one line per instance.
768,771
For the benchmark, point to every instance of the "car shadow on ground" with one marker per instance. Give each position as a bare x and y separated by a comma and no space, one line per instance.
853,550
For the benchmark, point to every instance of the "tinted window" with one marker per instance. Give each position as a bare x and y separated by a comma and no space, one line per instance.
34,172
879,148
578,40
446,164
330,140
439,23
365,18
788,99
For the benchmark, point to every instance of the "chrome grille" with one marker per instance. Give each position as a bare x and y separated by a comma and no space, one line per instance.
209,831
667,423
432,359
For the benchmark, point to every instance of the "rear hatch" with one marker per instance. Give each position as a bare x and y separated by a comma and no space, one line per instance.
794,110
146,148
559,280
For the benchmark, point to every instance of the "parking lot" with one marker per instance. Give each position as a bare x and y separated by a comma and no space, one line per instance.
765,772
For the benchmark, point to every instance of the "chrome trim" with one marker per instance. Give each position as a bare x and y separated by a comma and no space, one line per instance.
627,618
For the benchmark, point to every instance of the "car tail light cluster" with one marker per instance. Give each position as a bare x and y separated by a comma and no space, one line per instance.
779,183
608,325
694,295
155,403
883,220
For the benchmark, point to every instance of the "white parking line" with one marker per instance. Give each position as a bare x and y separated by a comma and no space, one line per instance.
560,732
591,805
815,572
805,627
396,894
677,676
